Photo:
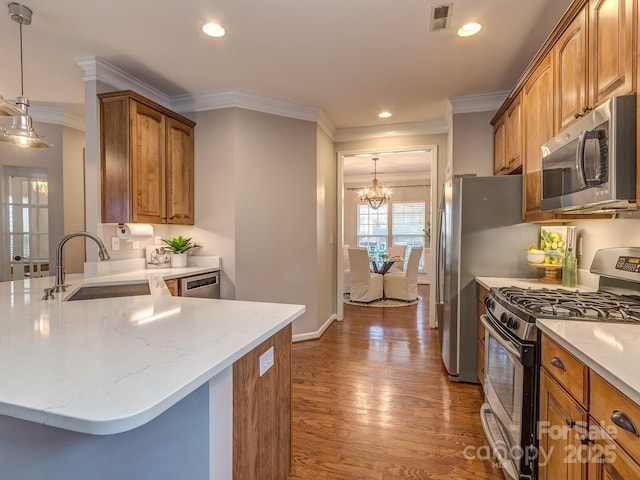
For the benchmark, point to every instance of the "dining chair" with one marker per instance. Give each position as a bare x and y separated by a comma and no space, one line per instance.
404,285
398,251
364,286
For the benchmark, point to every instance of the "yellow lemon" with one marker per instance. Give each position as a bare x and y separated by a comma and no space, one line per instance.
560,244
555,260
555,237
547,259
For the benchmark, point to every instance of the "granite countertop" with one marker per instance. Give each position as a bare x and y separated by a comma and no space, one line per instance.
109,365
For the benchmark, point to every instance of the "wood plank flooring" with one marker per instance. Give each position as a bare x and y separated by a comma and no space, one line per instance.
371,400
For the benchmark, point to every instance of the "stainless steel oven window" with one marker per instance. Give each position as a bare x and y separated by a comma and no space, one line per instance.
504,383
502,374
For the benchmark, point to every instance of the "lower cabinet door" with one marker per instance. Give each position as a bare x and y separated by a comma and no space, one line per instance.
608,461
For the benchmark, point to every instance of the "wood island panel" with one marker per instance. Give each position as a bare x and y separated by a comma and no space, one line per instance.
262,413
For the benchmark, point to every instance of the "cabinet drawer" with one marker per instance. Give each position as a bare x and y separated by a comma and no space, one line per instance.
567,369
608,403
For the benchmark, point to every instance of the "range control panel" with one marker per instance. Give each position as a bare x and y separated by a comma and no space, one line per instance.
628,264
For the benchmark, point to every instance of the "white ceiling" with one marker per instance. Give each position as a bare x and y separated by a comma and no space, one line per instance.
349,58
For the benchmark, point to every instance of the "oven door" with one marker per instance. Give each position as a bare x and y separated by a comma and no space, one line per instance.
503,387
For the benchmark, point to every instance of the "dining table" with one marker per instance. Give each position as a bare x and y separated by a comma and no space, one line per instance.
382,263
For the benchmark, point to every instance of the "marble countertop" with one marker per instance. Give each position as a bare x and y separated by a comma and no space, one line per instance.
109,365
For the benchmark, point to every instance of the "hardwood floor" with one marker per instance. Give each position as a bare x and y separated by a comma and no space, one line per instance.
371,400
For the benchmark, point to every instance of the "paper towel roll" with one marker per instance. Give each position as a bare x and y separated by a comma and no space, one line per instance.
135,231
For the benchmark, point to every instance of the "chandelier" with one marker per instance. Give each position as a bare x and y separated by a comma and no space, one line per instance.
21,132
375,196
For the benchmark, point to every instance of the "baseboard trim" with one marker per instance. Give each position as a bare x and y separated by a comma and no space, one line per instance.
301,337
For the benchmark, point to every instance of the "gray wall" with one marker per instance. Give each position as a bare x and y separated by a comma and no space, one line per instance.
256,206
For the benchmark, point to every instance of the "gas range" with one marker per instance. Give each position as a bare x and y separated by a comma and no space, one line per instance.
617,299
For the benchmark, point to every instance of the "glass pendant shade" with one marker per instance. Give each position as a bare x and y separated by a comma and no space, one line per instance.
21,132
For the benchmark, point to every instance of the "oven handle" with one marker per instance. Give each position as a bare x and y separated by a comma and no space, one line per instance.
505,463
506,344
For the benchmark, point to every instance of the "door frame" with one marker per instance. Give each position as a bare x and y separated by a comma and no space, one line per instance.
340,218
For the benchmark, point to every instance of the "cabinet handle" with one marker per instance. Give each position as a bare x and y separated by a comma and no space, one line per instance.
584,438
586,109
556,362
570,423
577,115
622,420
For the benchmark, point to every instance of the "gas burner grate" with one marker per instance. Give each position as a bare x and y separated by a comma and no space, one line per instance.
563,303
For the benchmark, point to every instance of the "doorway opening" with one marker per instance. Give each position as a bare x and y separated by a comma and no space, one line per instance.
406,220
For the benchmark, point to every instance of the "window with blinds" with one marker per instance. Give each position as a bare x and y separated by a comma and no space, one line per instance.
401,224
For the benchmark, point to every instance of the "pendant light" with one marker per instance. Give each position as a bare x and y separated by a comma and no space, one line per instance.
21,132
375,196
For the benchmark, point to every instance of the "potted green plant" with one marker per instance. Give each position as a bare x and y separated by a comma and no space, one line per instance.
179,246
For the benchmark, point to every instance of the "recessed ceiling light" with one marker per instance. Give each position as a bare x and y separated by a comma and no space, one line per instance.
469,29
384,114
213,30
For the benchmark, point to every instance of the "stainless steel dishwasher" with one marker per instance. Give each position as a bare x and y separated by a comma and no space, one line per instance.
205,285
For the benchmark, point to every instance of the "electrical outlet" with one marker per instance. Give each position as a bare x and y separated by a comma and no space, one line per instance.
115,243
266,361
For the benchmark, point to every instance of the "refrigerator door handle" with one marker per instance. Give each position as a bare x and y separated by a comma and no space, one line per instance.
440,253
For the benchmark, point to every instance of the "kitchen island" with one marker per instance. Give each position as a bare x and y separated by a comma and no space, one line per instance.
129,387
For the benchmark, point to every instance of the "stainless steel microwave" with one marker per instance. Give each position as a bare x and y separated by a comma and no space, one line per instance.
591,165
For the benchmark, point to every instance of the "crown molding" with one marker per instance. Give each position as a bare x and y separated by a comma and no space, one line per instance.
390,130
486,102
98,69
57,117
241,99
325,124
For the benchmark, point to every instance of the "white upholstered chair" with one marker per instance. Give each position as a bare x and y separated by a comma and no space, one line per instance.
346,270
404,285
397,251
365,286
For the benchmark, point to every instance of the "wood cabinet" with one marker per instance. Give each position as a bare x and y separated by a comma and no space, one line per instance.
507,141
570,73
563,423
588,429
172,285
147,161
499,148
482,309
262,412
537,123
612,26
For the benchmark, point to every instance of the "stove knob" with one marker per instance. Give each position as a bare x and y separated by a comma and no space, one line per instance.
503,317
515,324
510,322
489,303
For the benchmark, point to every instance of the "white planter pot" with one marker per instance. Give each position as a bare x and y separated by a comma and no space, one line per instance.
178,259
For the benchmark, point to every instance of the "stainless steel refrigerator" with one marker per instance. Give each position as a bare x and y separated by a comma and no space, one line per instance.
480,233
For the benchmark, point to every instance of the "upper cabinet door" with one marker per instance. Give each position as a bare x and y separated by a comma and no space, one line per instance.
537,129
147,163
499,142
570,72
513,135
179,172
611,43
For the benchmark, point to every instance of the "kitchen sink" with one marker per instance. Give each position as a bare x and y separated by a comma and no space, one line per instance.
91,292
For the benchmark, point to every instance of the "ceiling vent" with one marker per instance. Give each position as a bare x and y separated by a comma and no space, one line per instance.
440,15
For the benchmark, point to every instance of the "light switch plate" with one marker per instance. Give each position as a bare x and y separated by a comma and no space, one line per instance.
115,243
266,361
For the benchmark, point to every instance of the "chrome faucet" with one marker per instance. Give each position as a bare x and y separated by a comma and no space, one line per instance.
102,254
